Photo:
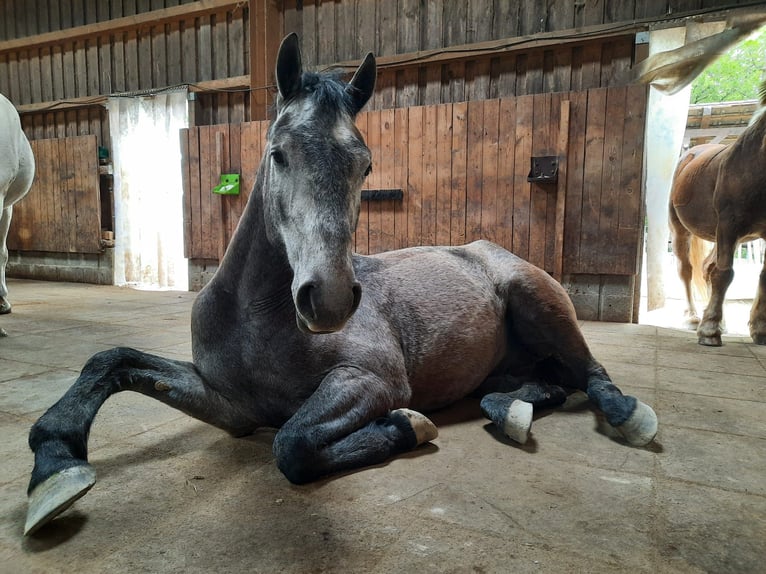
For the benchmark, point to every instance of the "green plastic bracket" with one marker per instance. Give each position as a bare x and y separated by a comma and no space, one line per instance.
229,184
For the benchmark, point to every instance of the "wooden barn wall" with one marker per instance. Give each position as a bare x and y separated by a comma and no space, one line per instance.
463,171
62,211
190,50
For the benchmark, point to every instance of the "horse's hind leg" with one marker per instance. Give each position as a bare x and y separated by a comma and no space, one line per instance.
543,320
758,312
5,224
59,438
681,241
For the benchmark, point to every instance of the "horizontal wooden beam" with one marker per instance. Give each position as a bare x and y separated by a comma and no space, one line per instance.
145,20
581,35
234,83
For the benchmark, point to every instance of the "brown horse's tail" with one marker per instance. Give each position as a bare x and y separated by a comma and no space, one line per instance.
698,250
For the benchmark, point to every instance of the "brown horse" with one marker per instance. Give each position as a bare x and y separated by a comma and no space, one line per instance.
719,195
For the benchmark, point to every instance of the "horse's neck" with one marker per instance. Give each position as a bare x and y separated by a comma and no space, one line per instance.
253,266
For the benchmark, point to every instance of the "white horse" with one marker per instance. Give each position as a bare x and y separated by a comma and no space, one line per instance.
17,170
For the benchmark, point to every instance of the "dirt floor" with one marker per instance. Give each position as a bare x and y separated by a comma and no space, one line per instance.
175,495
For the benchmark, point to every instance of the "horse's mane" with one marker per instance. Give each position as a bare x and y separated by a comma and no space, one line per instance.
327,90
762,93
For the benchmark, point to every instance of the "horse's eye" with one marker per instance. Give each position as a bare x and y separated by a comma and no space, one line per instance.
278,157
368,171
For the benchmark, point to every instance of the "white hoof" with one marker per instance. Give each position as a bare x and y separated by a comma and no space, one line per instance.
641,427
57,493
425,430
518,421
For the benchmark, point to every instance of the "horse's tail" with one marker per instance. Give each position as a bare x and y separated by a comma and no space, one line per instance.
698,250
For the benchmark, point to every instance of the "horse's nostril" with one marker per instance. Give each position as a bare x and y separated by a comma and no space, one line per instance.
356,289
303,301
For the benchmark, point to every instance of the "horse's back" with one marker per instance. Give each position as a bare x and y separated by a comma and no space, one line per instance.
16,160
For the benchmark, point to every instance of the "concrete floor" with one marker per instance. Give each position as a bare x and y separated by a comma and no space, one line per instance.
175,495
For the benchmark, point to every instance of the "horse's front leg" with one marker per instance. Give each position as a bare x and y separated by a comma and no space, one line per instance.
353,419
59,439
721,275
758,312
5,224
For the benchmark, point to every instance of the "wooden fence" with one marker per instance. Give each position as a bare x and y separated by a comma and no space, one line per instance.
62,211
462,169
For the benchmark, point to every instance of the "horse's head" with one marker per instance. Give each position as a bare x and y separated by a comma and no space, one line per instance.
317,162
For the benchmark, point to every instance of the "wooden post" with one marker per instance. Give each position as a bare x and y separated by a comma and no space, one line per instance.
561,191
266,30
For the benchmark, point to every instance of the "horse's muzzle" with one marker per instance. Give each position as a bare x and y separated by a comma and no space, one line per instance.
325,308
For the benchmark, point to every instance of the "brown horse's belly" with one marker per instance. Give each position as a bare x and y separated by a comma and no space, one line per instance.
456,361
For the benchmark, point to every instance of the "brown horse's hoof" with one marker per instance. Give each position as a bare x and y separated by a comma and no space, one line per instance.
57,493
712,341
759,339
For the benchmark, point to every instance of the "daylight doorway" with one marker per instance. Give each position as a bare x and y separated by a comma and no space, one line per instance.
148,190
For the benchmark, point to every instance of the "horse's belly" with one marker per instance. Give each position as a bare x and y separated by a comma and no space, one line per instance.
453,362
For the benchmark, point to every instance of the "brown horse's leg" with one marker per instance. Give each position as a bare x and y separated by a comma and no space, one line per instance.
758,312
721,275
681,242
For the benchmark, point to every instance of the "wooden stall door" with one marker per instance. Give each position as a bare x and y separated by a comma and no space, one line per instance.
462,170
62,211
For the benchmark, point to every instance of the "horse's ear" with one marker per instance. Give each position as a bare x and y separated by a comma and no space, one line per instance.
362,84
289,66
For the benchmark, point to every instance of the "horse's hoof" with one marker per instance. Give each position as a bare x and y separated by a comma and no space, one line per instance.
57,493
713,341
512,416
3,332
425,430
758,339
518,421
5,306
641,426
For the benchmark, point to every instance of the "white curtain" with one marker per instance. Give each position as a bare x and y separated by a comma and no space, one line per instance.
148,191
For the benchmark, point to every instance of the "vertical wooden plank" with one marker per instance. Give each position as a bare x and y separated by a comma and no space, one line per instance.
35,87
505,171
401,146
428,194
608,223
458,182
554,111
362,236
386,181
415,176
234,166
266,25
345,21
375,218
562,146
195,197
521,188
631,208
474,175
539,193
326,32
131,61
489,159
592,178
443,203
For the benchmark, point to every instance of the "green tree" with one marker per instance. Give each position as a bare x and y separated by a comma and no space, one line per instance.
734,76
